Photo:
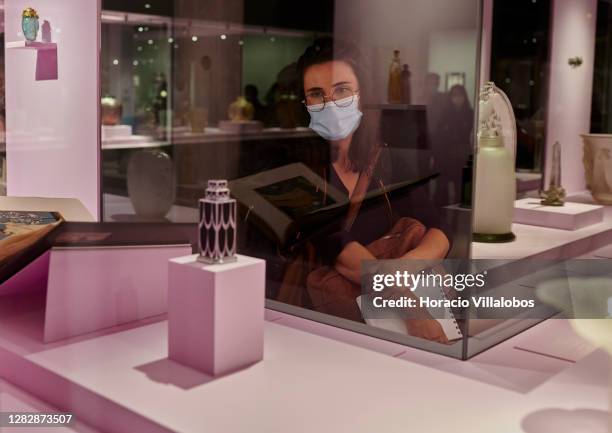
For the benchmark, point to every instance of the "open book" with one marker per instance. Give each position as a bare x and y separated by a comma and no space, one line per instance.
22,245
292,201
22,230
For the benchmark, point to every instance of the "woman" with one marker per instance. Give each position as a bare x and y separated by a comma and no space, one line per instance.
335,93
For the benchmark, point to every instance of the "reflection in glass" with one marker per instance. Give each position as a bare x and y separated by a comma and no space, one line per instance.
519,66
334,148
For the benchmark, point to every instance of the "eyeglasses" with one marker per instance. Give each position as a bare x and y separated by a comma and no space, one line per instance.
341,97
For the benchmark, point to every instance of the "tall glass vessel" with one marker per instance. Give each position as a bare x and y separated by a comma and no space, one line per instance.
495,190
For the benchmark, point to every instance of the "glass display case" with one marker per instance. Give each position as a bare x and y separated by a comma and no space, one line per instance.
311,201
307,110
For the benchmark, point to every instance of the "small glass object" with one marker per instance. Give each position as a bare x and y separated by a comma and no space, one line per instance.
555,194
29,23
217,227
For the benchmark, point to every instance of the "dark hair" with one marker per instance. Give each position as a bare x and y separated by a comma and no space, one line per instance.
460,89
251,90
367,136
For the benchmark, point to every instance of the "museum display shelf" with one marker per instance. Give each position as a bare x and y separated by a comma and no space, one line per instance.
132,142
214,135
210,135
31,45
549,243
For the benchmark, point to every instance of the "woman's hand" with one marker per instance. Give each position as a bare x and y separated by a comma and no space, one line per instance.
429,329
434,245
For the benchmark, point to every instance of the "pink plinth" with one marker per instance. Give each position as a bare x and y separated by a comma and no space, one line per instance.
216,313
89,289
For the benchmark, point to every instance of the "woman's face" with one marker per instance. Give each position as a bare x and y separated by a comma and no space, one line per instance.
335,77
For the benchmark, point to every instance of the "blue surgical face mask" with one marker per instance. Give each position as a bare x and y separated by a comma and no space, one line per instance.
334,122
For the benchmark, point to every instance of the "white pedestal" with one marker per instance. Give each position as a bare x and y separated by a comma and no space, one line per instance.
216,313
571,216
110,132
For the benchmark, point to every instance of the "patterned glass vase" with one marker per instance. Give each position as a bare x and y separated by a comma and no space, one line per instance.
217,227
29,24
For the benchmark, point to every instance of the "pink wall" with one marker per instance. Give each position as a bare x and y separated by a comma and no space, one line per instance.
569,102
53,124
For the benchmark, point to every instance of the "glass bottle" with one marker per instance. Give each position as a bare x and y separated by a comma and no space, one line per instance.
395,79
495,182
217,226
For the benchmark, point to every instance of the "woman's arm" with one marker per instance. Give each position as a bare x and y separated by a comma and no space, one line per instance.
434,245
348,262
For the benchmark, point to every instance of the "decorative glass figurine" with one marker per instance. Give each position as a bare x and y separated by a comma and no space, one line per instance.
495,182
217,227
29,24
555,194
241,110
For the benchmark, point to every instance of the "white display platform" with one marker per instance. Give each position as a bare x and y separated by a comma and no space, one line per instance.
571,216
549,243
121,380
132,142
216,313
110,132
